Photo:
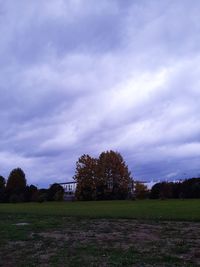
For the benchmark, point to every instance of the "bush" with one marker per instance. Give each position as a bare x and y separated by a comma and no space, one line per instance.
42,198
15,199
59,195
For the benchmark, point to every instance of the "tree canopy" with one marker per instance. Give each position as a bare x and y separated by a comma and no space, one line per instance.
86,177
104,178
55,192
2,188
2,182
189,188
16,181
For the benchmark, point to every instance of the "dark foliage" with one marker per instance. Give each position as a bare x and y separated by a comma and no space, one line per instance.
55,192
15,198
2,189
16,181
16,190
16,186
2,182
42,195
155,191
189,188
30,193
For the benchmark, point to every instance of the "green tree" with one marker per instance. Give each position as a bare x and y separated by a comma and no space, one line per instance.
2,182
155,191
2,188
16,184
59,195
42,195
30,193
162,190
53,192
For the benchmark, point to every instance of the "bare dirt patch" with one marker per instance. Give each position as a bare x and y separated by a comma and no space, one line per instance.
101,242
171,238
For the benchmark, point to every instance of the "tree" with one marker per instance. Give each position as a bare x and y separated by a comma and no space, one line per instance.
104,178
114,177
53,192
30,193
59,195
155,191
86,176
141,191
166,190
2,188
190,188
176,188
2,182
42,195
163,190
16,183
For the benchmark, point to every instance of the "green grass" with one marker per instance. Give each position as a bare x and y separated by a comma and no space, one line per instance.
187,210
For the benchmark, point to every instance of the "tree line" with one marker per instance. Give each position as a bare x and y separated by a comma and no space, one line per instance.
104,178
15,189
189,188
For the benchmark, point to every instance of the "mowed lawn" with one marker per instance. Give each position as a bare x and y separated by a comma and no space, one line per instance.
184,210
108,233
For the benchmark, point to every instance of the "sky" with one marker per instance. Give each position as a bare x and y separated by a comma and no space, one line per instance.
86,76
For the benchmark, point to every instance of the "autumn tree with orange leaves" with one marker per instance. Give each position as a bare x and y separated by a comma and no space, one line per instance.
113,176
86,176
107,177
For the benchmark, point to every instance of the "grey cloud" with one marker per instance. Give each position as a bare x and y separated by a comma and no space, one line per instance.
35,31
85,76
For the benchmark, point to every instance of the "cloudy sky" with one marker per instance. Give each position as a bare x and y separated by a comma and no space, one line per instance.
84,76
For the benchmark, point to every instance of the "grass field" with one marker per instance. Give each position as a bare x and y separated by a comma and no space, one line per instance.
109,233
188,210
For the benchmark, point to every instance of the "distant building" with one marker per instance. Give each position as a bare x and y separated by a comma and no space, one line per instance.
150,184
131,187
69,190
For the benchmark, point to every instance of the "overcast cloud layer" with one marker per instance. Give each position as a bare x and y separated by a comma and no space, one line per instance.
84,76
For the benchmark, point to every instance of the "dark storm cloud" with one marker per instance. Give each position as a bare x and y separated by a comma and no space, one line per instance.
86,76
